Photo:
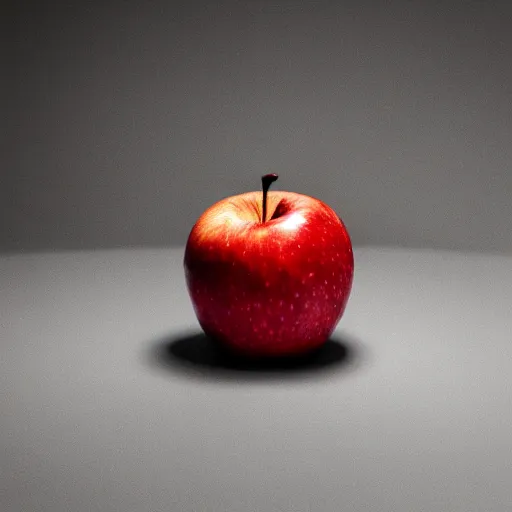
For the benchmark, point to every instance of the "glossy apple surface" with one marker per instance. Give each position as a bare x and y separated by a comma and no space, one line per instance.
273,288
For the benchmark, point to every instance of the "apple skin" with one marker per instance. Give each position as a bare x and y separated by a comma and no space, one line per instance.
269,289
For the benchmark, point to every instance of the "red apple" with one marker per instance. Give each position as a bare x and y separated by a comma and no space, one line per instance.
273,285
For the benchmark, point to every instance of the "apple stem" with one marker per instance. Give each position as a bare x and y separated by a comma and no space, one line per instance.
266,181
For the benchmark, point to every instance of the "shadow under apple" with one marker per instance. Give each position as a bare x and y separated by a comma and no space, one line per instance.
199,355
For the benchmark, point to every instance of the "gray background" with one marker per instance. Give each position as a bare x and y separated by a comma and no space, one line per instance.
125,120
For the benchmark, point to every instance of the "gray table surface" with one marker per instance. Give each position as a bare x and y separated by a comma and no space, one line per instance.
112,401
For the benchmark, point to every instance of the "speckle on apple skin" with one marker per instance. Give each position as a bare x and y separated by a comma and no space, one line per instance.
272,290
